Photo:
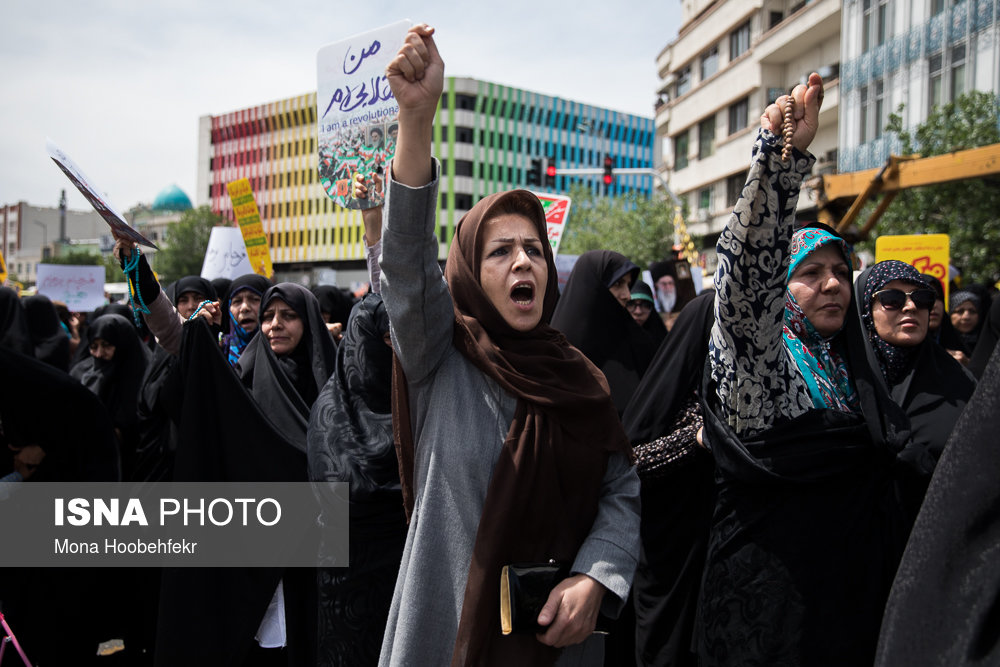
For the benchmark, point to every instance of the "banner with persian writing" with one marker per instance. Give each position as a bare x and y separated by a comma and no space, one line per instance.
248,217
357,114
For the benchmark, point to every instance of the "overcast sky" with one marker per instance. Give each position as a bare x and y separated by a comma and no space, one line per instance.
119,85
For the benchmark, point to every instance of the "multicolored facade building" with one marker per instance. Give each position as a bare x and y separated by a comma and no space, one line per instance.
486,136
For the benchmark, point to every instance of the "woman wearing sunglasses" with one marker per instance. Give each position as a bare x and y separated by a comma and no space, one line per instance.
895,304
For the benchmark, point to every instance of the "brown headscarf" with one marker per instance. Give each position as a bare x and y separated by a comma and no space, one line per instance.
545,488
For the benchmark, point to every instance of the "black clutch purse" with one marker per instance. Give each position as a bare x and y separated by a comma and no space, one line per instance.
524,589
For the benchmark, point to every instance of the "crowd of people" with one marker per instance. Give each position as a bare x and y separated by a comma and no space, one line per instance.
732,478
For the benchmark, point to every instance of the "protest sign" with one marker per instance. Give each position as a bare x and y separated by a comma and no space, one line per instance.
556,211
226,256
81,288
357,113
248,217
88,190
3,270
928,253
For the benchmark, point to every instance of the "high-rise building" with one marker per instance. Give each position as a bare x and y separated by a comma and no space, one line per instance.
486,136
919,53
731,59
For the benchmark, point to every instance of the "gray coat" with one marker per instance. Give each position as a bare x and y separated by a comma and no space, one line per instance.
460,418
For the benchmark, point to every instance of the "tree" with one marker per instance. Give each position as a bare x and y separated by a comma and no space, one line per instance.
640,228
183,252
112,272
965,210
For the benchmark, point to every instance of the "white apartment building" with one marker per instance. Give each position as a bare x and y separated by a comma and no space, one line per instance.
919,53
730,59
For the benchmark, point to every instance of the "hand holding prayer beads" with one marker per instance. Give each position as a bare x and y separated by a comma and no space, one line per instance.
796,116
788,128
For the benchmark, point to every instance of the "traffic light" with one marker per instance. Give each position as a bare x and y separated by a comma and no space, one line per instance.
550,173
535,173
609,170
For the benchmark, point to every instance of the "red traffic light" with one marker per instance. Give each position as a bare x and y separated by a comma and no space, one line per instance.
609,169
608,179
550,171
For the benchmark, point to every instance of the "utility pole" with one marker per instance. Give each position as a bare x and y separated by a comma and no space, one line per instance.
62,219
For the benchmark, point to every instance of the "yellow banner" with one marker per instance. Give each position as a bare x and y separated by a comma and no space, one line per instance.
928,253
3,270
248,216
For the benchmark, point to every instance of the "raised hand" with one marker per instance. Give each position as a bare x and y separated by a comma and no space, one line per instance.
416,74
805,117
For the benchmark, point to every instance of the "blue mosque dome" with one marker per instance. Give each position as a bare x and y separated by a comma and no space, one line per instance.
171,198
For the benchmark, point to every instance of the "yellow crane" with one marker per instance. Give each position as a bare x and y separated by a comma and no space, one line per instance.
850,191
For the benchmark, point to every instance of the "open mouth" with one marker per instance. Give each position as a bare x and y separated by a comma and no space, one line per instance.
523,294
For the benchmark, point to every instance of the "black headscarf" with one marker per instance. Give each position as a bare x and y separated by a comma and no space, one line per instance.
988,337
653,325
924,380
14,332
944,600
221,286
116,382
350,429
236,339
350,440
677,506
286,387
945,335
974,295
50,340
228,436
335,302
193,284
595,322
895,361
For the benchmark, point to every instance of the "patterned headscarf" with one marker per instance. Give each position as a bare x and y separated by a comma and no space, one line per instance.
822,366
894,360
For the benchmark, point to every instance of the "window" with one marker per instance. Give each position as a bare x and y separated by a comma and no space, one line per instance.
874,23
864,115
957,71
463,135
775,19
705,198
738,114
706,137
734,188
872,107
879,104
683,81
681,148
739,41
936,75
710,62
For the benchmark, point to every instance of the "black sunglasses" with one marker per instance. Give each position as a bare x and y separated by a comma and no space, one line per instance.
894,299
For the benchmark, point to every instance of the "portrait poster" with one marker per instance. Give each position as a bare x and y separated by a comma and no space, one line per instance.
90,192
357,114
